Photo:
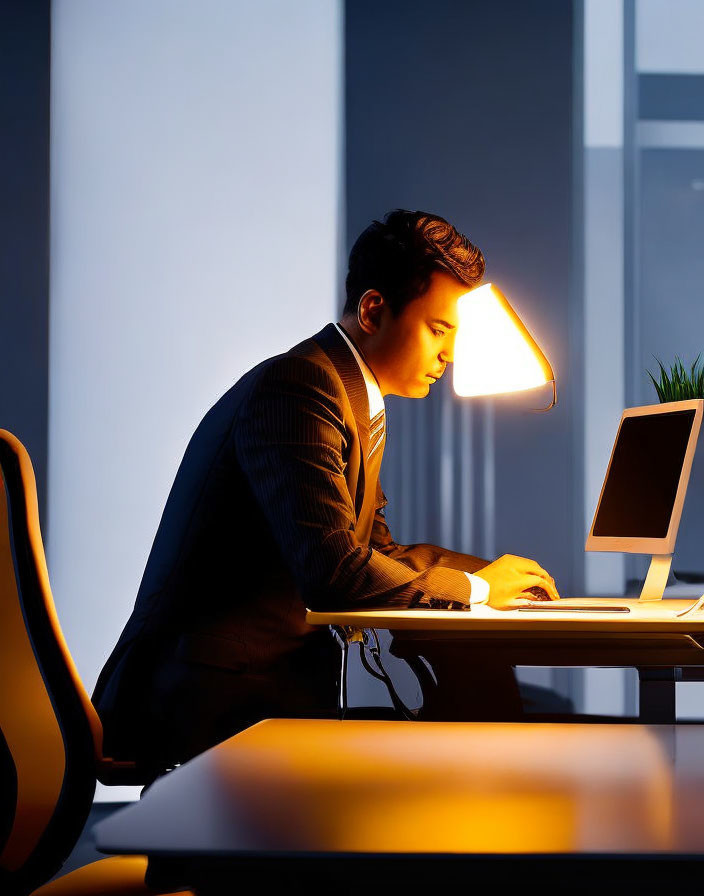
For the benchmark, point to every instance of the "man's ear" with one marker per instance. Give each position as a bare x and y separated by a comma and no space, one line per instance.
369,310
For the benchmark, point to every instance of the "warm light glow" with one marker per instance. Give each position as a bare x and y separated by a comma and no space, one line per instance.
444,787
494,352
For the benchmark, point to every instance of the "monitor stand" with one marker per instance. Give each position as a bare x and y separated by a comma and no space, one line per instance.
655,581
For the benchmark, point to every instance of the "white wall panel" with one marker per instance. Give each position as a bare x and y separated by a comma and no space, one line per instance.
669,36
603,73
194,231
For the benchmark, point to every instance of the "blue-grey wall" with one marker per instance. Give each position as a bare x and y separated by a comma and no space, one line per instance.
465,109
24,226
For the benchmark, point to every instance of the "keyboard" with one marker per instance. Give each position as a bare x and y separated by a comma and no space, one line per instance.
554,607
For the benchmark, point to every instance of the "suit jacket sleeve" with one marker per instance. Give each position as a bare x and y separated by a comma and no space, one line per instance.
292,446
416,556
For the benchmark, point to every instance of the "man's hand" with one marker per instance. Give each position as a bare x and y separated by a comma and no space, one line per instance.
509,579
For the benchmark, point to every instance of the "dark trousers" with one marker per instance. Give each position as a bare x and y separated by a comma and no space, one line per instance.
463,690
193,706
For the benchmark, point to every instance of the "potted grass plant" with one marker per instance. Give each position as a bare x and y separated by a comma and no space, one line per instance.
679,383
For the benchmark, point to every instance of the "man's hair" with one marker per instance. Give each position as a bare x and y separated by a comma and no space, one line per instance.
398,257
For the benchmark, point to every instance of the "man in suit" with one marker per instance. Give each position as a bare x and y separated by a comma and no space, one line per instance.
277,507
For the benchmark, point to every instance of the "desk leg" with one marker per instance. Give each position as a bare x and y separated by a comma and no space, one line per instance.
345,635
340,635
657,695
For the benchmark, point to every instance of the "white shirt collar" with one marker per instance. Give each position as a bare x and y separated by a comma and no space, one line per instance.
376,399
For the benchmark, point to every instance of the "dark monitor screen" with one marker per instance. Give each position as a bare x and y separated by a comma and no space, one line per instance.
640,491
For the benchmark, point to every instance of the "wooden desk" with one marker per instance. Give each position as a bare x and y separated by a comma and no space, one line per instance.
664,648
321,804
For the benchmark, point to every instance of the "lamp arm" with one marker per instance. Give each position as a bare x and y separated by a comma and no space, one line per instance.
552,403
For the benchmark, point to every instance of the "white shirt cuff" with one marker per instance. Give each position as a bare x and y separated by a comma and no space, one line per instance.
480,590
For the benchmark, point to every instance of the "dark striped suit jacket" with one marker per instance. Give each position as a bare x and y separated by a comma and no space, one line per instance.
275,507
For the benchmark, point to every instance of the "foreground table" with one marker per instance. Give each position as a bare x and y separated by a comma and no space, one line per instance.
664,647
320,804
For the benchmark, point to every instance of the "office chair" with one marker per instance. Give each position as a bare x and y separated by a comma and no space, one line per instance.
50,733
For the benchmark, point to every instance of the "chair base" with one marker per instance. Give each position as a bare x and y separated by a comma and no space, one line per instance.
116,876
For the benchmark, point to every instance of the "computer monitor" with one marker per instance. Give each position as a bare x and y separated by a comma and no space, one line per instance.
646,481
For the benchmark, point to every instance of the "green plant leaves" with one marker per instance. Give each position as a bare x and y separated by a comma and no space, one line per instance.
679,384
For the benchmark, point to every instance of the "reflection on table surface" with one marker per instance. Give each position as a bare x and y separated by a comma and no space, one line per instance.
325,786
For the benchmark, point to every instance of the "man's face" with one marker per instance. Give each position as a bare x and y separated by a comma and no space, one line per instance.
412,350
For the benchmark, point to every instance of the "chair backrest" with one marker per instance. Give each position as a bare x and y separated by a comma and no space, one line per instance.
50,734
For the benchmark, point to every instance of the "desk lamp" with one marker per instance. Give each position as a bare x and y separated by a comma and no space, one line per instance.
494,352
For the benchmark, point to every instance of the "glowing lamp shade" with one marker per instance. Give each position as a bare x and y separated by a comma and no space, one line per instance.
494,352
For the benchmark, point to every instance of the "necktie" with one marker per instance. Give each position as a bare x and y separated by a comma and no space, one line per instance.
377,431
